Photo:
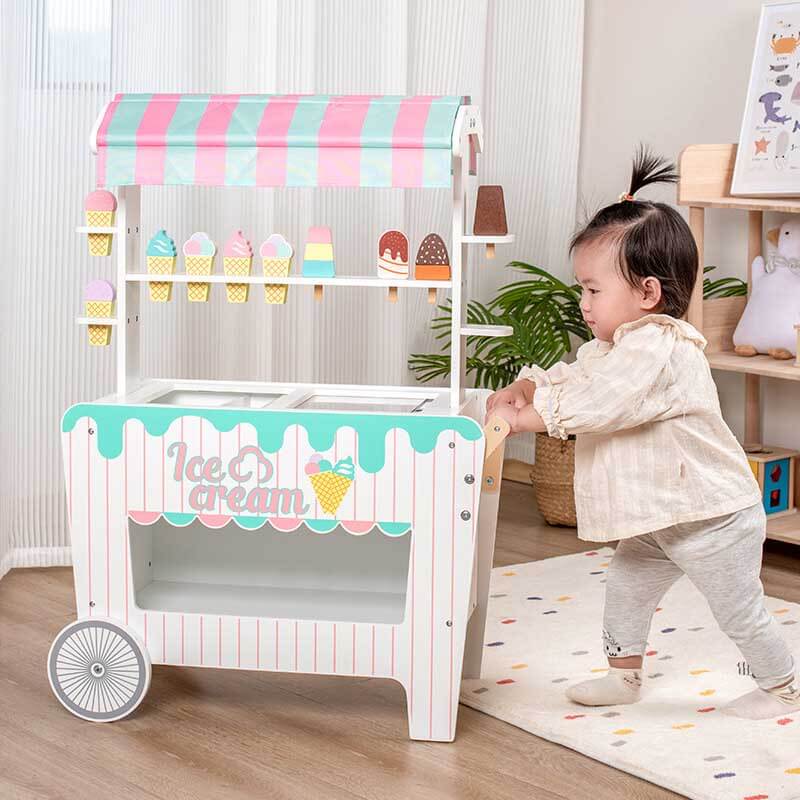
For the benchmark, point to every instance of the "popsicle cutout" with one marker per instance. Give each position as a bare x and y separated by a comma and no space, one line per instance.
199,252
100,208
161,256
237,258
393,255
99,298
276,259
318,257
490,215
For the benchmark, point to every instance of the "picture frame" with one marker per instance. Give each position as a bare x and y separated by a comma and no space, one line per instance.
768,157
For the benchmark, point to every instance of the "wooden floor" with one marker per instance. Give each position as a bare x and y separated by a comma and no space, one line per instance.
206,733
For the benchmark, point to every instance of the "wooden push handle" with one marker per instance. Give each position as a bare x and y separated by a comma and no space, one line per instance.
496,430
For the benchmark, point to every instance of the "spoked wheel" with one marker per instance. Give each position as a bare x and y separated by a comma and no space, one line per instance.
98,670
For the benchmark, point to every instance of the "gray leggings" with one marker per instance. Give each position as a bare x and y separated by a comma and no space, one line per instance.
722,558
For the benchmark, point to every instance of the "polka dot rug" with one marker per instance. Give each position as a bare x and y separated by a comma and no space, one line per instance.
543,633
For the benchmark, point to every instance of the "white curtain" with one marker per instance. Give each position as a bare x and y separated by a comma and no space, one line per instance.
62,60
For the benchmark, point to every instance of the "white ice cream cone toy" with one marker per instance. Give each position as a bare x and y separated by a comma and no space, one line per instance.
330,482
161,257
99,299
276,260
237,259
198,253
100,208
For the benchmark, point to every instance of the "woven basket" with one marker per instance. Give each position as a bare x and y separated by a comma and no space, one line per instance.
553,479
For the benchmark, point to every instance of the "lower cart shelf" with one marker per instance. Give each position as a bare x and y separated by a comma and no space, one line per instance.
299,574
272,601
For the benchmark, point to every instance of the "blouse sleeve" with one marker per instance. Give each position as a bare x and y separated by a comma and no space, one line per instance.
629,385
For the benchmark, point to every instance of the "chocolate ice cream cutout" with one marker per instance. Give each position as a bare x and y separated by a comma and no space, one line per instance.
490,215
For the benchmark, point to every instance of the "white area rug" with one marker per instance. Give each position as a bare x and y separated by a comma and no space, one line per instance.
544,633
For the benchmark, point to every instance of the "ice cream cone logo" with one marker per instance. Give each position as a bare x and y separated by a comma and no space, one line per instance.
99,298
198,253
100,208
161,256
237,258
331,482
276,259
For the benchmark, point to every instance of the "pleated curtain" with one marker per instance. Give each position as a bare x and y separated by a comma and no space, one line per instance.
61,60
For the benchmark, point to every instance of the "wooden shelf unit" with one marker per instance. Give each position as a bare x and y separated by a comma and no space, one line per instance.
706,171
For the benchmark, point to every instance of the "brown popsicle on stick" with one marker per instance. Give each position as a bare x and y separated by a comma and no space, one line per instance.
490,215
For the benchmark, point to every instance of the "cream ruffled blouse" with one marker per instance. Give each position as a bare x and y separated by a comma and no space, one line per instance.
652,449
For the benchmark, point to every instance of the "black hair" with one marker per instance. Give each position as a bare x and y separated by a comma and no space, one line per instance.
652,239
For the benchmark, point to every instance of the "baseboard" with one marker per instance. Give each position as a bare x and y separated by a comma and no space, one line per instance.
20,557
516,470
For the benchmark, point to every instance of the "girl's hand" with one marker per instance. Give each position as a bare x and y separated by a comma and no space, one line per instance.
507,412
518,394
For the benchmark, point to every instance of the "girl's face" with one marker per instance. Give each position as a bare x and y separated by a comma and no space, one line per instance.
608,300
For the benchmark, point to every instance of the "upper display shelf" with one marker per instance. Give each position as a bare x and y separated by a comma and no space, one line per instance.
283,140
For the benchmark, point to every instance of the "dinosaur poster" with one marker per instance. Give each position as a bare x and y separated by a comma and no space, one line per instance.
768,158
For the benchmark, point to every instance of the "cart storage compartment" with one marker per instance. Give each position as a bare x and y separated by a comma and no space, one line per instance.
301,574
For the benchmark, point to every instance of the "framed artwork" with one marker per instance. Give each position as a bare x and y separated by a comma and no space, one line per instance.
768,157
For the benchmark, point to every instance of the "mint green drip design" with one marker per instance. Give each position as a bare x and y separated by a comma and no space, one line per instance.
181,519
423,431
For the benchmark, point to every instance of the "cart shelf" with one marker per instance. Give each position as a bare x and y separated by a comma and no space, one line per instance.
487,330
97,229
507,239
95,321
298,280
279,602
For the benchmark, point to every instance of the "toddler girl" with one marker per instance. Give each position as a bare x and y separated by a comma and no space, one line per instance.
655,464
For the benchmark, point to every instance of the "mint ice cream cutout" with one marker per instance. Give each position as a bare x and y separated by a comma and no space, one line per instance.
331,482
161,255
276,259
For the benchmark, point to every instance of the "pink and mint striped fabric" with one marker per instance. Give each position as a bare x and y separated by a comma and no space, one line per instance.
277,140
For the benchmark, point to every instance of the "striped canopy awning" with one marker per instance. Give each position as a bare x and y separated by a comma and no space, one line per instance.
276,140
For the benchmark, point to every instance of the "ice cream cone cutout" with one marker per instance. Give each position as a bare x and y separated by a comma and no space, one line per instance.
99,298
237,258
100,208
198,254
161,256
276,260
330,482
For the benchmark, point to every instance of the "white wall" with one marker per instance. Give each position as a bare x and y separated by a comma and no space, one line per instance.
671,74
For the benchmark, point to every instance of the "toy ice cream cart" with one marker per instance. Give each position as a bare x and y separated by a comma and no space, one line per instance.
276,527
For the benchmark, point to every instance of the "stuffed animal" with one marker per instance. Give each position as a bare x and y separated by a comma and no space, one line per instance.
773,308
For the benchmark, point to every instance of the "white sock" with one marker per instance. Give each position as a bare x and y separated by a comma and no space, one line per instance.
619,687
766,703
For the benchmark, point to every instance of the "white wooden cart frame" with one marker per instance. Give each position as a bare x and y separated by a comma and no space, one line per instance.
428,648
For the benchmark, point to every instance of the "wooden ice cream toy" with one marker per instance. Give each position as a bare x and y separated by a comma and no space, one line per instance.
279,526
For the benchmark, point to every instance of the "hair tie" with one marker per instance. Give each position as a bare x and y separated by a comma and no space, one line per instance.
625,196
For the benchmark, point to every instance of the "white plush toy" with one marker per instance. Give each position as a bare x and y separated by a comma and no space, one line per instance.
773,308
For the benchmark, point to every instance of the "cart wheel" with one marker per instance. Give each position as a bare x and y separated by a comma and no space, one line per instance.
98,670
